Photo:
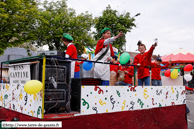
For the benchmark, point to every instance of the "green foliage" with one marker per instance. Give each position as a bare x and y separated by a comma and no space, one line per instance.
29,46
116,22
17,18
22,22
55,19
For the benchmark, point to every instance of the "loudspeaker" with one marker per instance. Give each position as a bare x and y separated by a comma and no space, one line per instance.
57,100
76,84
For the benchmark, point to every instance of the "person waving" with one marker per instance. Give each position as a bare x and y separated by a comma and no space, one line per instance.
103,53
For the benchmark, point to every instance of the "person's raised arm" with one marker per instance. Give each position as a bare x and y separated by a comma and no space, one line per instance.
167,65
107,41
151,50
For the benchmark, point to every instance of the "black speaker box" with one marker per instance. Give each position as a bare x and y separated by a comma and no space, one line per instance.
56,100
76,84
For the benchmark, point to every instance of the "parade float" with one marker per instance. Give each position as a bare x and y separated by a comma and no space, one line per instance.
84,103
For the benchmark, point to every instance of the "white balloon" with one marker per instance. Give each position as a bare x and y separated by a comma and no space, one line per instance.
187,77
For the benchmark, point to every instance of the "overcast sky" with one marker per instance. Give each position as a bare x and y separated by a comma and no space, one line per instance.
170,21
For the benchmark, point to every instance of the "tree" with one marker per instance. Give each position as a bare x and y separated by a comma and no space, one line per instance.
29,46
17,18
116,22
55,19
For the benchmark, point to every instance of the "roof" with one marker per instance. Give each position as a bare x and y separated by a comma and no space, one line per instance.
179,56
15,53
183,51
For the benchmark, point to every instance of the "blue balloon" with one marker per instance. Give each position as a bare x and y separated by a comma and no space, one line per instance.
87,65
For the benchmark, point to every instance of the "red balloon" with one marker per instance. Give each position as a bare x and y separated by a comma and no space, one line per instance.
167,73
188,67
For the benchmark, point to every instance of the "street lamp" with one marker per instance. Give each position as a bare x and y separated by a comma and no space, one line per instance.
136,15
131,18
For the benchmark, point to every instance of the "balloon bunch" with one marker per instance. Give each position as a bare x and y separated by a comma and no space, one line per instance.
173,73
188,68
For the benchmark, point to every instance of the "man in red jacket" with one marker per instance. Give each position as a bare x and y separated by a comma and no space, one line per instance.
142,61
129,72
156,78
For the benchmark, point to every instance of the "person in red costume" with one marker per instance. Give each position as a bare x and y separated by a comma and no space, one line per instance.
113,71
128,74
156,78
71,52
103,53
83,57
114,68
77,69
142,61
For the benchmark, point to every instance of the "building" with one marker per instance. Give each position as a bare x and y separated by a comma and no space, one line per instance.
12,54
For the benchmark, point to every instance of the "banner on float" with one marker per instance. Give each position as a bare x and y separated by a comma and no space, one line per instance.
105,99
19,73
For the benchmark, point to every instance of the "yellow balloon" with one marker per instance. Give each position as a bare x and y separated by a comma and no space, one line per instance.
174,74
33,86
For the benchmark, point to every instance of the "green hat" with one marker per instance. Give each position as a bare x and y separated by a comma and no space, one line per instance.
105,30
67,36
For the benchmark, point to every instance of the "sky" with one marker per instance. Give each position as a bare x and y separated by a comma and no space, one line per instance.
170,21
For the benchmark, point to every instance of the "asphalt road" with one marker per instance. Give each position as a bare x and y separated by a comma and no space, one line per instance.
190,105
